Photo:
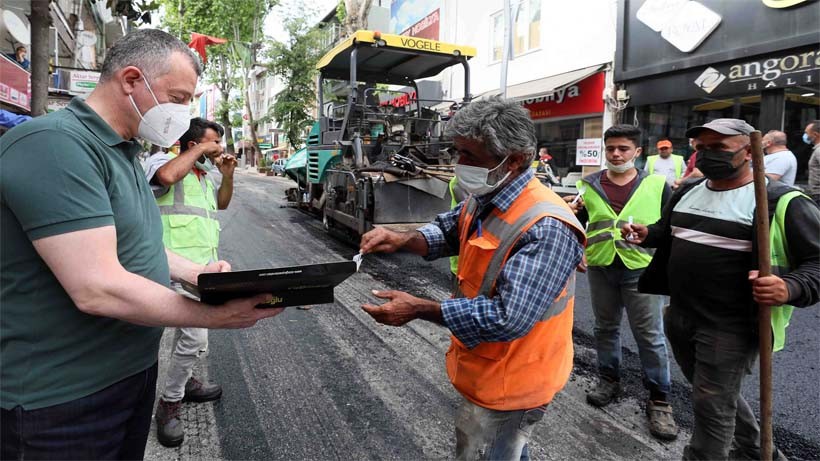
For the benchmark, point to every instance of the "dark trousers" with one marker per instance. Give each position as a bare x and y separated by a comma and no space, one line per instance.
715,363
109,424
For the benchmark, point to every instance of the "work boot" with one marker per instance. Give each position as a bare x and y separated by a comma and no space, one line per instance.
604,393
170,432
661,423
197,391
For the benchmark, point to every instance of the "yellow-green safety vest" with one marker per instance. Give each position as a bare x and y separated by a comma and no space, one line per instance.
189,225
604,238
780,266
678,159
455,195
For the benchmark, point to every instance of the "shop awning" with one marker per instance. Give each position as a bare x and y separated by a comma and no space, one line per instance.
546,85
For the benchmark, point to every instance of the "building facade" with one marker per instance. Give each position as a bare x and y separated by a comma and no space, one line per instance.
682,63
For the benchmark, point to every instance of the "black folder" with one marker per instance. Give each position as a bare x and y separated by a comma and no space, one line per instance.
290,286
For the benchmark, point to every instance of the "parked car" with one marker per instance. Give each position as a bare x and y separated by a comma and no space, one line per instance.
279,167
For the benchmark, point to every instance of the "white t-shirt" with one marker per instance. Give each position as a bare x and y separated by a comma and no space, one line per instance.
783,163
154,162
664,167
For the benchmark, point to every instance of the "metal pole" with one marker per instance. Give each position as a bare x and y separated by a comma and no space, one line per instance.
764,316
505,51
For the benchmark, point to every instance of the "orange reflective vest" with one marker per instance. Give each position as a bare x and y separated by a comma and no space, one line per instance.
526,372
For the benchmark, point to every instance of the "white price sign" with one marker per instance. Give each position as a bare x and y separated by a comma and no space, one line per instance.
588,152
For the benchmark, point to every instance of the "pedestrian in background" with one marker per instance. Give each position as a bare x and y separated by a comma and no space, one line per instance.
19,57
188,200
665,163
780,162
691,173
511,349
811,136
706,261
83,273
619,194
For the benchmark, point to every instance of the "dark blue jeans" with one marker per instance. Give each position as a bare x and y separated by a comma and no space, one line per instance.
109,424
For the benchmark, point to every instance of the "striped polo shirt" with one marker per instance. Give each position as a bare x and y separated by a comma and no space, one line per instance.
711,255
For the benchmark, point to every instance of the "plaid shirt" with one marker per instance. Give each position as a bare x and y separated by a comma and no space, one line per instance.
535,273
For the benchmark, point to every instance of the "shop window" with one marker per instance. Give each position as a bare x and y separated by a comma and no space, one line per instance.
526,29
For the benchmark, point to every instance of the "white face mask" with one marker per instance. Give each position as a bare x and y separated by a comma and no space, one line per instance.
622,168
474,179
164,123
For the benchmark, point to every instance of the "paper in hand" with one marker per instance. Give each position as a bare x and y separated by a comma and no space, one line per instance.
358,260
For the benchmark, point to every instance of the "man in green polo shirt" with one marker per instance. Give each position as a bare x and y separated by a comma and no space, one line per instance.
83,273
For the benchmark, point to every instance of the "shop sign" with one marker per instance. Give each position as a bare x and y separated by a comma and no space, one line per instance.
658,37
426,28
584,97
682,23
797,68
82,82
415,18
588,152
15,84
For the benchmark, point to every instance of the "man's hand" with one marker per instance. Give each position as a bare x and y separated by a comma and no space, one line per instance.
212,150
575,202
400,309
770,290
226,164
381,240
582,266
219,266
634,233
242,313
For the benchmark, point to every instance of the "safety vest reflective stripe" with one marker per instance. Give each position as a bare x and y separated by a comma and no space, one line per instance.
624,245
510,233
179,206
712,240
560,304
599,238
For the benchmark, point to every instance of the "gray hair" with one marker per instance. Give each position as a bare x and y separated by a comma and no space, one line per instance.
778,138
503,126
815,126
149,50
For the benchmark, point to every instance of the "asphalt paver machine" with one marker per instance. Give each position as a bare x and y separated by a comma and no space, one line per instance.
376,155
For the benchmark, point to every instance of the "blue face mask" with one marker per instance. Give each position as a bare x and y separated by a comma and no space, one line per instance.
806,138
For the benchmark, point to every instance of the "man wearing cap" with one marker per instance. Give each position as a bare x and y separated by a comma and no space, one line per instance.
665,163
706,239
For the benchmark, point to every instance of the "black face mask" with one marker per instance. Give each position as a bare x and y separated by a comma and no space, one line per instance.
717,164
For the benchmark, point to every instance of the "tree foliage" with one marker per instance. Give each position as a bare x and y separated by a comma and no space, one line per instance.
294,61
239,21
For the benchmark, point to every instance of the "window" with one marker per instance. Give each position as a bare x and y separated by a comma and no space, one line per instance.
526,29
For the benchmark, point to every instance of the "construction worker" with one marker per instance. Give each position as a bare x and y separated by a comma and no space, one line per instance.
511,349
188,202
706,262
665,163
619,194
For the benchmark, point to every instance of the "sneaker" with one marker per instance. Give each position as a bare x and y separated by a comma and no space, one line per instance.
197,391
604,393
661,423
170,432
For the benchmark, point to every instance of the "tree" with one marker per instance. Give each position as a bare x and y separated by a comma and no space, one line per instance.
40,21
295,63
236,20
355,15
